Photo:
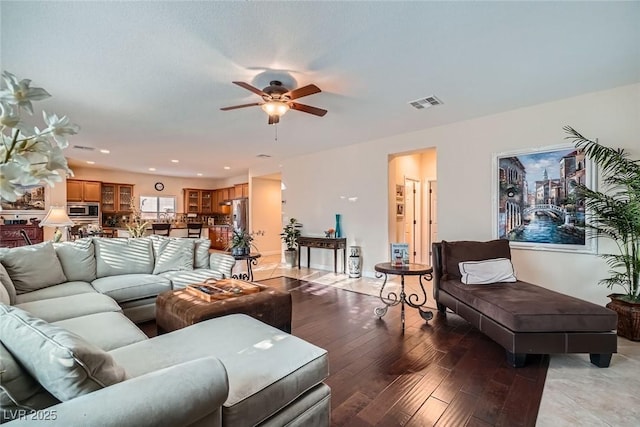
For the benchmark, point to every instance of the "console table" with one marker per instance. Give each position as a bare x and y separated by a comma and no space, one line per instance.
324,243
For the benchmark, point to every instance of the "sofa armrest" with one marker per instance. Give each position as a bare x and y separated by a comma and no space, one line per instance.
222,263
180,395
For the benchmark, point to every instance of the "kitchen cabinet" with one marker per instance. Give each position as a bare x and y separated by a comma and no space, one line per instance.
116,197
219,236
198,201
83,191
241,190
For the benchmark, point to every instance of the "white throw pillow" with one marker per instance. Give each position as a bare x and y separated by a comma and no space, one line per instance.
173,254
33,267
78,259
62,362
488,271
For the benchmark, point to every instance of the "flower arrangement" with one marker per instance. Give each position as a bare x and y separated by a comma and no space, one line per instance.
29,156
136,227
330,233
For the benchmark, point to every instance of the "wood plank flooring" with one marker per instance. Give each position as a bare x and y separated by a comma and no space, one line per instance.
442,373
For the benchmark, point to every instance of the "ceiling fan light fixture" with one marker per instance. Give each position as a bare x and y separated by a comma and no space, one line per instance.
275,108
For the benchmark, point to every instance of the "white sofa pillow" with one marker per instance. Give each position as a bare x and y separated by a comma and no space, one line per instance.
123,256
173,254
5,282
33,267
62,362
201,255
487,271
78,259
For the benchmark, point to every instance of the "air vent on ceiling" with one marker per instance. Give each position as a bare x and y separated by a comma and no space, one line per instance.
263,156
82,147
422,103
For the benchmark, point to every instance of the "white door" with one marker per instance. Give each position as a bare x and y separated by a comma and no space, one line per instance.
433,213
412,222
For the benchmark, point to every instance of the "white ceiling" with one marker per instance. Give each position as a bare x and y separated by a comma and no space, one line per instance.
146,80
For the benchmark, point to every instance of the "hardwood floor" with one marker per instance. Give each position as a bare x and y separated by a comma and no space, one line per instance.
443,372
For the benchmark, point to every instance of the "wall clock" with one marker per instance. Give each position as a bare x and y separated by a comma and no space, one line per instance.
159,186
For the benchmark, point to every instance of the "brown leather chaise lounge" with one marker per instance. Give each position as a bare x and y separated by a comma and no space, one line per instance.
521,317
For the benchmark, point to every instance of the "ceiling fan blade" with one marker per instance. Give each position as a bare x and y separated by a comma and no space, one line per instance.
303,91
307,109
234,107
247,86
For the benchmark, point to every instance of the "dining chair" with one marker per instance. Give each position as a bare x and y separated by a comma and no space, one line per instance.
161,229
194,230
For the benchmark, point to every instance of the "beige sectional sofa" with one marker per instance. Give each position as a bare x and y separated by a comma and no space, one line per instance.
71,355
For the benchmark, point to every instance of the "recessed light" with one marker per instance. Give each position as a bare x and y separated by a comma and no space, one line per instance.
103,151
175,161
227,168
152,169
199,174
91,162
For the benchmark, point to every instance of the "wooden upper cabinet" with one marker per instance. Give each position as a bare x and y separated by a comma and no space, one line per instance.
83,191
240,190
206,201
116,197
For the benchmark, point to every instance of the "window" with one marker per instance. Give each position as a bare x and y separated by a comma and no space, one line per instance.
153,207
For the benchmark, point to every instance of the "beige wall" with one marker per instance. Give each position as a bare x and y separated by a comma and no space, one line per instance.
465,155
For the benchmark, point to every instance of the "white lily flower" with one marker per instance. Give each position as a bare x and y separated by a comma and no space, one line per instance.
59,127
19,93
9,116
29,158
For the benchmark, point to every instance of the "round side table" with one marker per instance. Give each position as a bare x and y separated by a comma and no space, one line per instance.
252,259
416,301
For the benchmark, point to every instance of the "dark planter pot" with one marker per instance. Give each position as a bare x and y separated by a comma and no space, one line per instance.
239,251
628,317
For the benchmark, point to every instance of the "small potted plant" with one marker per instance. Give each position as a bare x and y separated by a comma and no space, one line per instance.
240,242
614,213
289,236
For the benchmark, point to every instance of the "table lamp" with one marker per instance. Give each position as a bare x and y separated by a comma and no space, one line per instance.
56,217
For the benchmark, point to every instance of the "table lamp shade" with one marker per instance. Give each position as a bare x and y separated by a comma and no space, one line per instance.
56,217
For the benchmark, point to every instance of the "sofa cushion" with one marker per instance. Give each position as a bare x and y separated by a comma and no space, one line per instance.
55,309
123,256
523,307
65,364
4,293
267,368
128,287
56,291
487,271
201,256
33,267
173,254
180,279
454,253
18,389
7,285
105,330
78,259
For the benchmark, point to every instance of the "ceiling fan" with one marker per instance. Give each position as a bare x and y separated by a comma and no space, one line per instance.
278,100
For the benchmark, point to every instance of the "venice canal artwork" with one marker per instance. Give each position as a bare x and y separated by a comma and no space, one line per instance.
537,201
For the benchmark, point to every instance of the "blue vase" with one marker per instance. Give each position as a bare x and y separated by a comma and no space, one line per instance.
338,226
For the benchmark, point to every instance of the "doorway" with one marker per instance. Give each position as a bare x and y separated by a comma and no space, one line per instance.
433,214
412,224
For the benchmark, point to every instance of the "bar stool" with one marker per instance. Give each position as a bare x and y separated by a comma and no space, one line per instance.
194,230
161,229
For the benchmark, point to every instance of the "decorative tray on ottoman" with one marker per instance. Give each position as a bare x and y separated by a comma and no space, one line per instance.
212,289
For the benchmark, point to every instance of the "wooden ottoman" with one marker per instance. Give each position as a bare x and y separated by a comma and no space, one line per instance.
179,309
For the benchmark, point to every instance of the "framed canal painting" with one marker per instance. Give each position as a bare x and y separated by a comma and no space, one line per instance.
535,202
32,199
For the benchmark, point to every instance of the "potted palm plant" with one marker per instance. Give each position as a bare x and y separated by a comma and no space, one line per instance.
614,213
240,242
289,236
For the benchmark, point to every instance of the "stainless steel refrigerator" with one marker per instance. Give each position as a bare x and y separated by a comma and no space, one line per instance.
240,213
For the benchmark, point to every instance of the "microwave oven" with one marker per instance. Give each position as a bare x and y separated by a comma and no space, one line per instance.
83,210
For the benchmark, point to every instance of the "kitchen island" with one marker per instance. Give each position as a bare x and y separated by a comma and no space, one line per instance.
177,230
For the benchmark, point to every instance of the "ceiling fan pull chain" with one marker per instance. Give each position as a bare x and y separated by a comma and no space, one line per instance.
275,125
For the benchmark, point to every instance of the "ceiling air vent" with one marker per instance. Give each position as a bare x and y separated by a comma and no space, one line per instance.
423,103
263,156
82,147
